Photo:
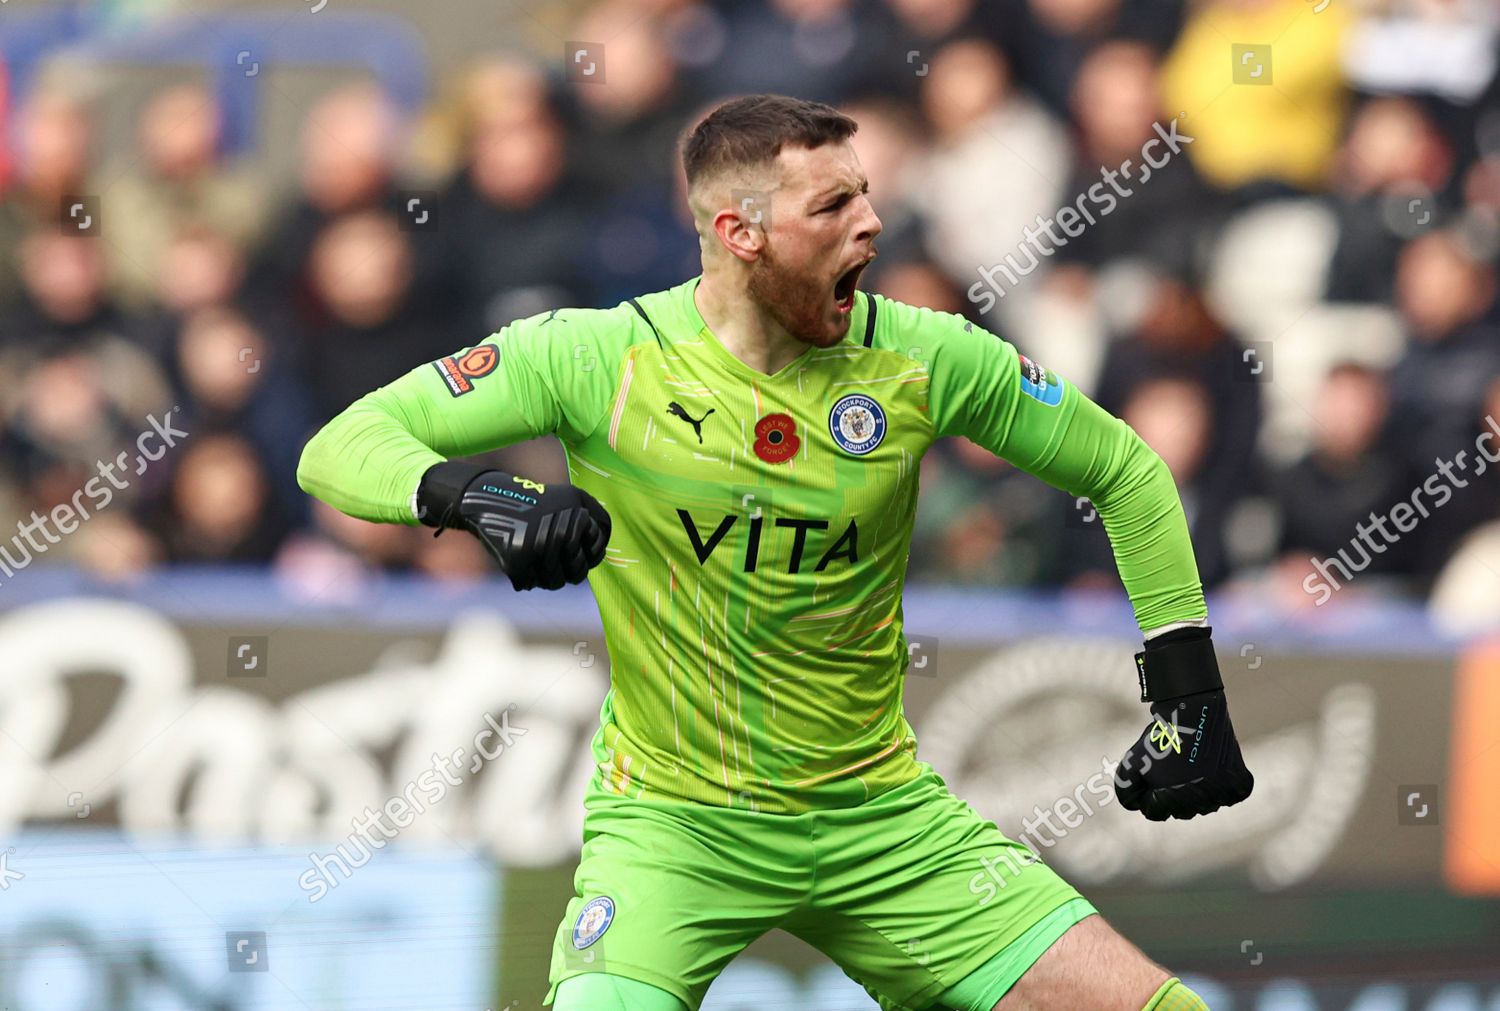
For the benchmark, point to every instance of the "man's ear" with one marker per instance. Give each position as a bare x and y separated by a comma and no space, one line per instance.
740,233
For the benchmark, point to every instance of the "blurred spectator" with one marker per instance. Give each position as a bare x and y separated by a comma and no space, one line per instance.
63,296
1444,293
1272,118
364,332
1115,103
200,269
921,28
112,546
629,122
348,148
643,239
934,20
1387,172
230,379
1178,336
1049,40
513,225
64,308
981,522
889,145
175,179
60,423
52,137
815,49
1325,497
59,419
219,508
997,158
628,126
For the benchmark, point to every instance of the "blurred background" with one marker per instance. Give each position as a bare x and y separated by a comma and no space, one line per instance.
221,222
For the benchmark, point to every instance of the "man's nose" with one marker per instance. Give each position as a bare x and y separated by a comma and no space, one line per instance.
869,223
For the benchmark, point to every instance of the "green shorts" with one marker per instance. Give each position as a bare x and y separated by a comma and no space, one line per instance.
911,894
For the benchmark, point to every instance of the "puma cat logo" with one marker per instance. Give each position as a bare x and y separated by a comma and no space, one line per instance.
678,411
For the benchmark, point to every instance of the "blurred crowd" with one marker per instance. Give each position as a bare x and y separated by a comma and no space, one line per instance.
1298,311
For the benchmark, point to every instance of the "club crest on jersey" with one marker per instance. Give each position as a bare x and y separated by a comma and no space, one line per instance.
857,423
593,920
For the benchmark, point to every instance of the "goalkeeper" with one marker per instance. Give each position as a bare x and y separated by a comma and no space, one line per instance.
743,451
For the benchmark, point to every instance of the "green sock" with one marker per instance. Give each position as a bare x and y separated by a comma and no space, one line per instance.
1175,996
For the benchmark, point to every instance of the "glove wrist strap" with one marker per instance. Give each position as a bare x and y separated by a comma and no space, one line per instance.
442,490
1176,664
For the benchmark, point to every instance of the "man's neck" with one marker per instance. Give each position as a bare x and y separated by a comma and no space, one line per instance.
745,330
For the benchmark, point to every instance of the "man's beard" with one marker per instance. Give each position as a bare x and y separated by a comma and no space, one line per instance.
801,304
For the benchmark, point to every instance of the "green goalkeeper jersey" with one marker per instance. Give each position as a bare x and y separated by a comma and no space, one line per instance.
751,592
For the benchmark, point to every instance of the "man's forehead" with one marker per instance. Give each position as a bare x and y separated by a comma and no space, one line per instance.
826,167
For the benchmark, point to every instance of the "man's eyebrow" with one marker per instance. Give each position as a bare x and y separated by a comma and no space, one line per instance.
834,189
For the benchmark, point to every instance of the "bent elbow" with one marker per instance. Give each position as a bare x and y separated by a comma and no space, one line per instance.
1153,467
1139,478
310,465
1147,472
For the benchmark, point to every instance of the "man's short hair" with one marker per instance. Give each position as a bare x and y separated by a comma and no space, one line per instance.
751,131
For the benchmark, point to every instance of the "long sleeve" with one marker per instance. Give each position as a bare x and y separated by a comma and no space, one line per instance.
544,374
983,389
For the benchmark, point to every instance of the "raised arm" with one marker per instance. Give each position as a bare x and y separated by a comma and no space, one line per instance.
368,460
386,458
983,389
1187,762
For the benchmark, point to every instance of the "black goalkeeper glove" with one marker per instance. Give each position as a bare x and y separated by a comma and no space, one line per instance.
542,535
1187,762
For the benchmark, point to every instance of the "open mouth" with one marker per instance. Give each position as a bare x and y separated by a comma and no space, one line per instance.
847,284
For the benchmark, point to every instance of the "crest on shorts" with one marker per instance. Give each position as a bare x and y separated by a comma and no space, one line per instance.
593,920
857,424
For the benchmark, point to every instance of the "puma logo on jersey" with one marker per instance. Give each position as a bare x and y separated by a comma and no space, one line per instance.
676,410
